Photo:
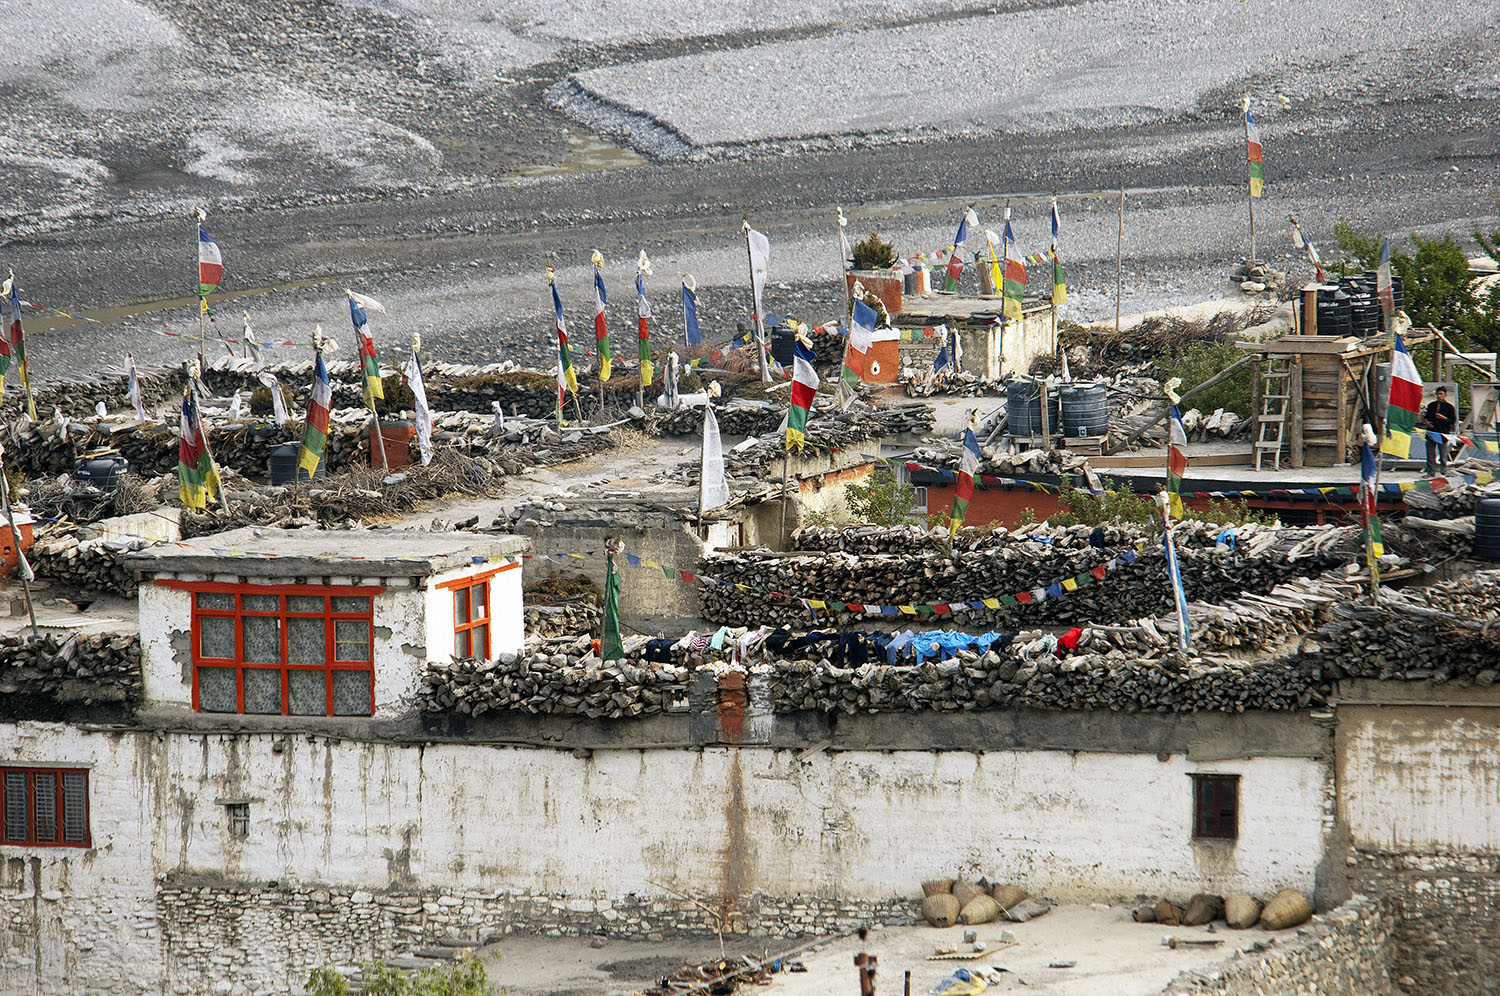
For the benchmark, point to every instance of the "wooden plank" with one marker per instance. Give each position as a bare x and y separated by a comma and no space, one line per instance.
1345,413
1298,452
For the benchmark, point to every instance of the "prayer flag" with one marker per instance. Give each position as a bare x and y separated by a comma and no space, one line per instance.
252,344
133,388
1177,461
955,261
315,431
643,312
369,365
760,262
564,354
1059,284
1374,545
278,404
714,489
1252,145
963,494
210,264
691,332
424,414
1406,399
861,338
1014,287
197,476
12,331
17,343
1179,593
1383,280
804,389
611,647
601,331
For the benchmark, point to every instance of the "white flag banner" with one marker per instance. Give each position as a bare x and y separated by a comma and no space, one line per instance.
424,416
134,389
715,491
760,261
237,406
278,405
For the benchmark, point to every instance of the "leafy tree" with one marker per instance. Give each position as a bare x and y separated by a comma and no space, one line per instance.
1440,288
463,979
881,501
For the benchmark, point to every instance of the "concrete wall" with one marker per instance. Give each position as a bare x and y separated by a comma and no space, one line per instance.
615,826
1419,785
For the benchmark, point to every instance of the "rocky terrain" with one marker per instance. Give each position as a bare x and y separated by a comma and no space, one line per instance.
437,155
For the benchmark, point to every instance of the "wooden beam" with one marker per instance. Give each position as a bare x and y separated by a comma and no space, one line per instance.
1294,416
1252,358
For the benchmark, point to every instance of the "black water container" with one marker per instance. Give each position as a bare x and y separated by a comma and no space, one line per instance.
1487,528
783,344
284,469
1085,409
1334,316
102,472
1023,409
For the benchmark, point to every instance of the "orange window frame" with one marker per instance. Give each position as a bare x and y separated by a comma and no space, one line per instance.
284,611
467,629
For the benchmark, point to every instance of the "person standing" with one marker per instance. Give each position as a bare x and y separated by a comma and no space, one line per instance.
1440,416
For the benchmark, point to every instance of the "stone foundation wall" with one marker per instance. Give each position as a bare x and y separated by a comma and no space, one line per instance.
244,939
1346,952
1447,936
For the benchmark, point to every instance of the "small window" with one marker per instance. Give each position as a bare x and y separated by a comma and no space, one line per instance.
239,819
471,620
44,806
921,499
1216,806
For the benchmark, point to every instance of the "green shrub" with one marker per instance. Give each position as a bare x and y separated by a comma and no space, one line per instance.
463,979
881,501
874,254
398,395
1201,362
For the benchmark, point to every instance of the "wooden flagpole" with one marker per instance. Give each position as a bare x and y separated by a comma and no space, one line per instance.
1119,256
760,323
199,216
1249,196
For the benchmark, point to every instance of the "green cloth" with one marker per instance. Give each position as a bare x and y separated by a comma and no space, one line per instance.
610,646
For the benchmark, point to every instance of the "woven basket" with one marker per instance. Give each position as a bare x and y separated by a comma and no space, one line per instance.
966,891
1286,909
940,910
1202,909
1241,911
980,909
1008,895
937,886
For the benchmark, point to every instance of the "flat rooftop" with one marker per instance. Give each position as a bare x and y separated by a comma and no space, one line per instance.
258,550
958,306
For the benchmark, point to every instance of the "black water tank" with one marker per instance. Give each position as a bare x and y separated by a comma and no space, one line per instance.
103,472
1023,409
1085,409
1487,528
783,344
284,469
1334,317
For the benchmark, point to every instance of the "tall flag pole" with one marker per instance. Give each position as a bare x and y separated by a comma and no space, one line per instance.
133,389
418,387
1014,288
968,469
1257,174
997,273
315,430
1174,571
691,334
758,250
846,261
562,388
17,342
564,352
210,275
197,475
1369,488
713,488
369,364
1177,460
643,314
1406,400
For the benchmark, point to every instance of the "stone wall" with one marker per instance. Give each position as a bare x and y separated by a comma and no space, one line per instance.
1346,952
1447,937
253,938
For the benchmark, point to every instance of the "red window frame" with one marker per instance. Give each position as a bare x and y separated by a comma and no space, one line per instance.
1216,806
61,808
463,589
331,647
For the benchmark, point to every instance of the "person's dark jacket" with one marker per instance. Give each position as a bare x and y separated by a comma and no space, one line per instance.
1440,416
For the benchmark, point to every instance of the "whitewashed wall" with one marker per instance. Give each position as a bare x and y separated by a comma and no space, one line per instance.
1416,778
859,824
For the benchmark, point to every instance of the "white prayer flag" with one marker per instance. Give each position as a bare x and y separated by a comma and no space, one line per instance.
715,489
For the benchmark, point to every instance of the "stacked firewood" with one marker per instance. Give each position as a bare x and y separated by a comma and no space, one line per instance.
58,677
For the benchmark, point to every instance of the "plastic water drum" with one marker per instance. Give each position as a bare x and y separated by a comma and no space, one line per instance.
103,472
1023,409
1085,409
1487,528
284,469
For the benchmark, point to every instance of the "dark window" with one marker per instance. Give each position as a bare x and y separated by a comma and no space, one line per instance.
283,650
1216,806
47,806
239,819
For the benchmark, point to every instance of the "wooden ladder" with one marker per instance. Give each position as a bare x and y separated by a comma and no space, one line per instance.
1276,391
